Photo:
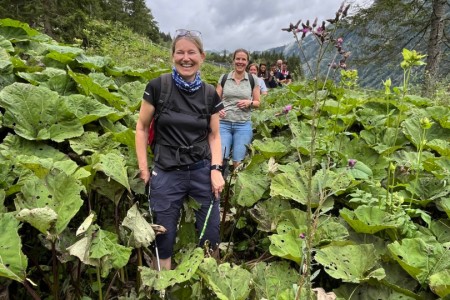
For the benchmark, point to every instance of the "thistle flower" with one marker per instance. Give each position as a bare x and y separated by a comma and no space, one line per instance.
302,235
287,108
351,163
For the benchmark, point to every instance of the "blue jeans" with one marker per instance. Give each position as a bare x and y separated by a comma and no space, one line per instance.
235,136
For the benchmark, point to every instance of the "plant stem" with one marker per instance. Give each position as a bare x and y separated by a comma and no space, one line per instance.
55,288
99,283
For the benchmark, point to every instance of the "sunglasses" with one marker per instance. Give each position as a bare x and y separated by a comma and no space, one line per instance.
185,32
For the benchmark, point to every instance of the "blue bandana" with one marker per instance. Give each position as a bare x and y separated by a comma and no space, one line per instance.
189,87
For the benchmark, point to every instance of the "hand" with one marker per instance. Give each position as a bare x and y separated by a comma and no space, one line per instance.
222,113
145,175
243,104
217,182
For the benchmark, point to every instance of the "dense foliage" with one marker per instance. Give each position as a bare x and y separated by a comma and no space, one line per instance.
357,179
65,20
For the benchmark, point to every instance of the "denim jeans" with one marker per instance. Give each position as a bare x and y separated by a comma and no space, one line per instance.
235,136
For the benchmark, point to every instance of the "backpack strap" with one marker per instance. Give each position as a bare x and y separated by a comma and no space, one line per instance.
166,90
208,94
224,79
250,78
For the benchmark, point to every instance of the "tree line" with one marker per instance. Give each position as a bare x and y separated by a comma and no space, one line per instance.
64,20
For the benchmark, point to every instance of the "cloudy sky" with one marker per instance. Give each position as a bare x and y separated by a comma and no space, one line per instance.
249,24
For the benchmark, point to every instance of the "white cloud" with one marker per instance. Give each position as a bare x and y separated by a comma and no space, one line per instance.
250,24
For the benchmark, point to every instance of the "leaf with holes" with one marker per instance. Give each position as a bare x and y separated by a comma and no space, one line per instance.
160,280
351,263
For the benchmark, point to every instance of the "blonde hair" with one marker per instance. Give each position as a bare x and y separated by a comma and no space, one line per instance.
194,39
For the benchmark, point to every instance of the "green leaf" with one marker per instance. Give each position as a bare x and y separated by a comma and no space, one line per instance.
89,87
93,62
440,283
40,218
227,282
287,245
132,93
36,113
87,109
142,233
113,166
184,271
6,44
250,187
91,142
351,263
370,219
419,258
360,171
290,185
105,247
57,191
272,279
270,148
266,213
81,250
13,263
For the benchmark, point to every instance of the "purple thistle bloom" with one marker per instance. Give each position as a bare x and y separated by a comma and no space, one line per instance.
302,235
287,108
351,162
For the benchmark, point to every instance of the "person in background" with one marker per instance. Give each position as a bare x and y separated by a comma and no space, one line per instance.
284,77
187,148
279,64
253,69
239,99
272,81
263,72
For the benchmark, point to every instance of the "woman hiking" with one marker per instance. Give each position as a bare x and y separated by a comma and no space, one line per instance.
187,151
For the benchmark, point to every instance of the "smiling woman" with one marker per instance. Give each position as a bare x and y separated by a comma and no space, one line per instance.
239,99
187,156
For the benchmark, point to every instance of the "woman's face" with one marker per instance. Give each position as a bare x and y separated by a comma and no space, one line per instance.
187,59
253,70
240,62
263,68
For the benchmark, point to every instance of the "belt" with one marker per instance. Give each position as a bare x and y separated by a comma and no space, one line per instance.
197,165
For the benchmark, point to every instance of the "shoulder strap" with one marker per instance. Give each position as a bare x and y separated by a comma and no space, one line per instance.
209,92
252,81
250,78
224,79
166,89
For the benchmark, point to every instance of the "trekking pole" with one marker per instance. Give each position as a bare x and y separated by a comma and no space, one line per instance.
152,220
211,204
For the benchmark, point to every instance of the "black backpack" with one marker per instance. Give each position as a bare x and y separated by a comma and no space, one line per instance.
250,77
166,90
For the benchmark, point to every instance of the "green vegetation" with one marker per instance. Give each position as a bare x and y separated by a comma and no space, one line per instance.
343,188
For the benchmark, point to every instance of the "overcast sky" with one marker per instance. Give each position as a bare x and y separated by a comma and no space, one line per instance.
250,24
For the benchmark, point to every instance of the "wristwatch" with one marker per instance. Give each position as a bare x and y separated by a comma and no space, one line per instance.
216,167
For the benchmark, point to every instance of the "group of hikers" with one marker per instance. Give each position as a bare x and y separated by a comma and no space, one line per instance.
195,127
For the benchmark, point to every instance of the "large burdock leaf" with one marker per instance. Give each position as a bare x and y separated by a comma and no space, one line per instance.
132,93
250,187
88,109
270,148
37,113
40,218
89,87
287,245
113,165
370,219
142,233
291,185
13,263
228,282
92,142
419,258
160,280
106,248
273,279
351,263
266,213
57,191
440,283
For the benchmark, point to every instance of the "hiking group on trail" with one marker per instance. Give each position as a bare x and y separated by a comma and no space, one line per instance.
192,128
